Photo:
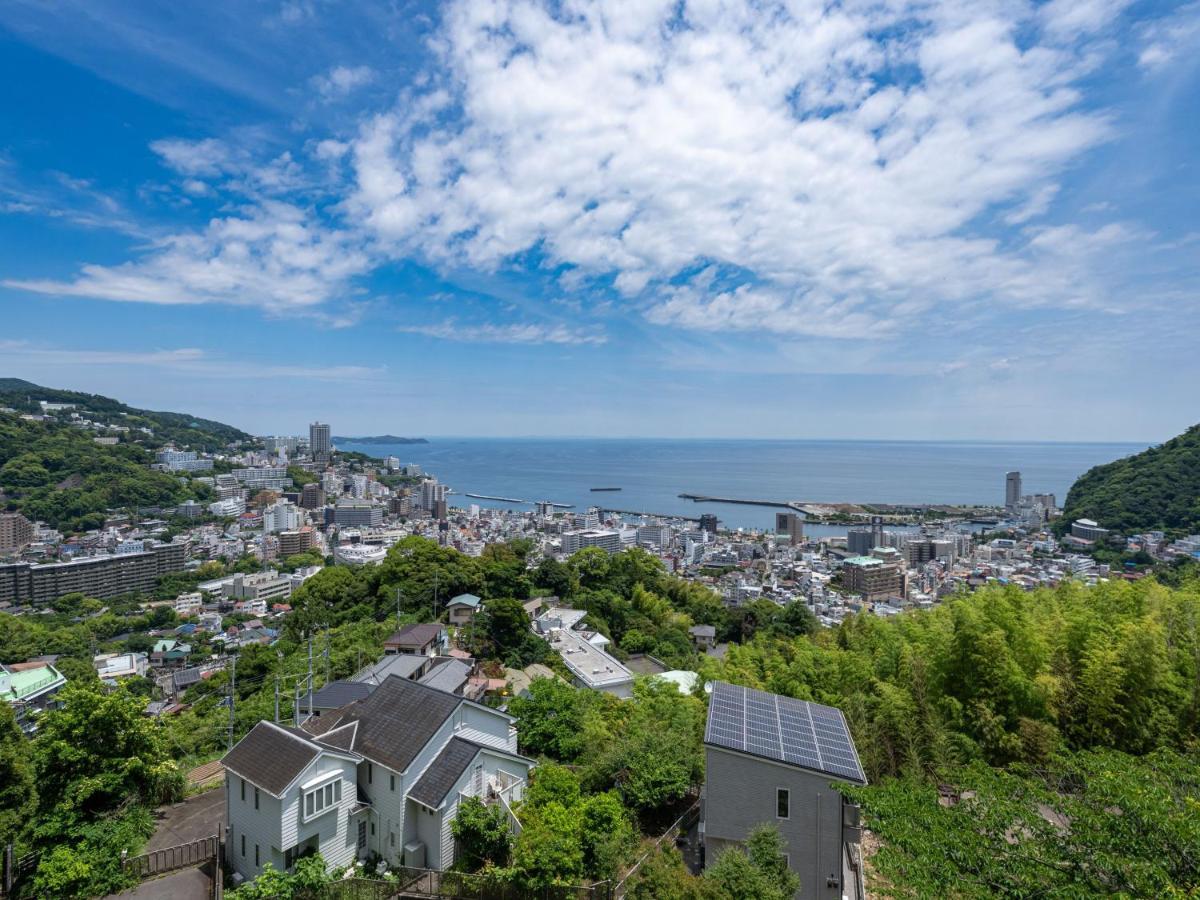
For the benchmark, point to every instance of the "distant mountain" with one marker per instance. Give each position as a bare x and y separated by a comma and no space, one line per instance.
1155,490
179,428
379,439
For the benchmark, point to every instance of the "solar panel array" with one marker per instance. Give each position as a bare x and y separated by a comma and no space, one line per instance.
780,728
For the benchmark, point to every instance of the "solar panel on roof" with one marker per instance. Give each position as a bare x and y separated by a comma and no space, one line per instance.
782,728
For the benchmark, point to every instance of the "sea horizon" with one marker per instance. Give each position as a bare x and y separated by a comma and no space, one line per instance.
652,472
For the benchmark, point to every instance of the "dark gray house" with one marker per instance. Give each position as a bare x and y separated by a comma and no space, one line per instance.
773,760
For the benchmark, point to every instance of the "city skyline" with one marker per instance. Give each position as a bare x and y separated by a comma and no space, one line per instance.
958,223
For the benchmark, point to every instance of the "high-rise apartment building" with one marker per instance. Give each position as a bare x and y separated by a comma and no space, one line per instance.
1012,490
587,537
16,531
708,522
871,577
320,445
791,525
312,495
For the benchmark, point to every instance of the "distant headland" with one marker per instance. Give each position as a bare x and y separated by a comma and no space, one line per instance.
379,439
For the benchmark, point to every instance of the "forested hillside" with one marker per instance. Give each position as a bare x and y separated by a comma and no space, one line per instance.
181,429
1158,489
57,474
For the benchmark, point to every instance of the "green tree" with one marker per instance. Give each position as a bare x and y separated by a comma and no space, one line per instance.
18,794
550,721
482,834
552,783
607,835
94,753
548,851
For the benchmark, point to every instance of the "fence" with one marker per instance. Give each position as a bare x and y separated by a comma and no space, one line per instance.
16,870
183,856
432,883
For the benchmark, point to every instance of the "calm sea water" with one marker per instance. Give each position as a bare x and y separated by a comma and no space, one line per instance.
653,472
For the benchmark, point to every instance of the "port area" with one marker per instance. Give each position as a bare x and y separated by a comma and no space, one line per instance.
890,513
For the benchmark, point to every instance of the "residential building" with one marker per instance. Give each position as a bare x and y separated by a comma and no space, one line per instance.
187,605
791,526
261,587
357,512
182,461
591,666
703,636
101,577
871,577
320,447
263,478
577,539
771,759
1012,490
1088,530
227,508
708,522
16,532
420,640
280,516
461,609
380,776
30,688
297,541
111,666
312,495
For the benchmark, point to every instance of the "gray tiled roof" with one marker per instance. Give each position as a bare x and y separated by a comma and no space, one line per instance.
337,694
271,756
431,788
450,676
415,635
403,665
397,720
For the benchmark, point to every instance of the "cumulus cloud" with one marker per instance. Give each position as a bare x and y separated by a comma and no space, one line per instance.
828,171
341,80
518,333
639,143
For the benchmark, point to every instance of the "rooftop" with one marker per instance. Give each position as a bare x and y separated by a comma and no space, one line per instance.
795,732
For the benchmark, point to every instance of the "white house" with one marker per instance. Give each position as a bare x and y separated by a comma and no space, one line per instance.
382,775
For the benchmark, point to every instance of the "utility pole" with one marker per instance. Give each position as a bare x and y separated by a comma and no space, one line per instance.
296,704
310,676
327,654
435,594
397,607
232,695
276,699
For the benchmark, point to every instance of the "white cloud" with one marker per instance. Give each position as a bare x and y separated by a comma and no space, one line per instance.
206,157
341,80
639,144
1167,39
187,360
519,333
273,256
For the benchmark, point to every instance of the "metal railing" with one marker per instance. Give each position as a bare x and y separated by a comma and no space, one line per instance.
183,856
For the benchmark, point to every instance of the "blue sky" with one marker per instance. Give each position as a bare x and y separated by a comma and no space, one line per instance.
858,220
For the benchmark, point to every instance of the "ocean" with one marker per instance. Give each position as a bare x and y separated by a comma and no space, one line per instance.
653,472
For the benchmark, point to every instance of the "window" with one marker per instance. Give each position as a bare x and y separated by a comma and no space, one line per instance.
393,782
392,838
256,854
782,803
370,772
243,845
256,798
243,790
322,799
